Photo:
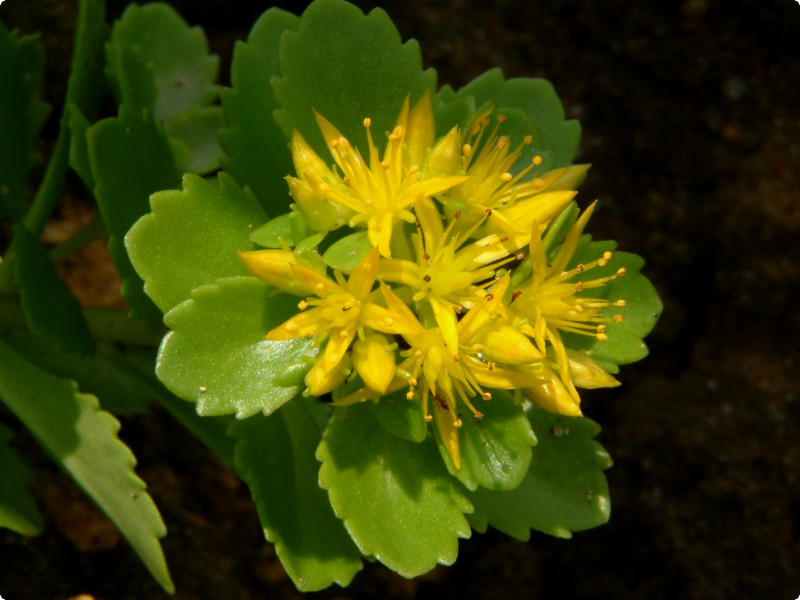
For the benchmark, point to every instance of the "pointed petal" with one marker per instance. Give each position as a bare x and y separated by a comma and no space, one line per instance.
448,433
571,242
306,161
445,316
374,362
321,380
363,276
421,130
275,267
301,325
320,285
335,349
379,232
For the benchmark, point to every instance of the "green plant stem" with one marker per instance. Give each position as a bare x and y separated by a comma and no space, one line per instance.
83,90
105,324
93,230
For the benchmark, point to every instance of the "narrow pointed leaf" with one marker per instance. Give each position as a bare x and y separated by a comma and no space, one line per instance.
217,353
52,312
346,66
18,510
83,439
256,150
191,238
395,496
346,253
565,489
195,132
275,457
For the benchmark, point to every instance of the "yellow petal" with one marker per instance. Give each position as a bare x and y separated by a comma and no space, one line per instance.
307,162
363,276
587,373
445,316
554,397
335,349
303,324
320,380
374,361
275,267
318,284
445,156
379,232
448,433
505,344
420,131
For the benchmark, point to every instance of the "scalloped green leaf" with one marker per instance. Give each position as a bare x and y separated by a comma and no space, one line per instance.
18,510
641,313
191,237
22,112
217,353
400,416
558,139
195,133
275,457
155,61
346,66
346,253
495,450
52,312
395,496
565,489
256,149
83,439
131,159
286,230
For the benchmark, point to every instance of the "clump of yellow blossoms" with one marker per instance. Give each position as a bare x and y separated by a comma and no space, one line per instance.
431,306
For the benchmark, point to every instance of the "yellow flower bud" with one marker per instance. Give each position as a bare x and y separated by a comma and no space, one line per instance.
445,156
275,267
319,380
374,361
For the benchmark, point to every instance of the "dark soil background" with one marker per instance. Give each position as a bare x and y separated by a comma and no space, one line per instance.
691,119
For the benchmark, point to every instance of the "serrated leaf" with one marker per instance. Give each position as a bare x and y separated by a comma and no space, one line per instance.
52,312
256,150
400,416
130,159
196,131
284,231
275,457
346,253
451,111
118,392
395,496
191,238
558,139
346,66
83,439
21,93
217,355
495,450
565,489
155,61
641,312
18,510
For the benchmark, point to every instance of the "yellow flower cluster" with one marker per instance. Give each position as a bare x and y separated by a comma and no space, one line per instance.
433,310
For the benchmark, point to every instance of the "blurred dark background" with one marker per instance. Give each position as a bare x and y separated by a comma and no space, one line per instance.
691,120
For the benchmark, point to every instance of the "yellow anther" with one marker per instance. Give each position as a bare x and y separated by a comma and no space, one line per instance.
620,302
419,354
501,118
506,177
320,286
413,169
486,396
579,286
581,268
388,321
467,150
601,328
577,308
385,164
335,144
412,382
621,271
302,305
491,366
528,139
602,262
502,143
537,160
478,347
602,337
343,333
367,122
457,423
428,418
607,255
618,318
478,415
346,179
410,395
537,182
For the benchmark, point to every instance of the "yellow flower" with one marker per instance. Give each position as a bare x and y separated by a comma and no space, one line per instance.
552,302
377,190
338,312
511,202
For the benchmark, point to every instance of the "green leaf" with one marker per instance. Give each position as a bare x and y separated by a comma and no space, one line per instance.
218,356
195,131
79,148
495,450
191,237
641,312
400,416
118,391
346,253
558,139
83,439
212,431
18,510
346,66
158,63
21,112
52,312
395,496
564,490
275,457
256,150
287,230
130,159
